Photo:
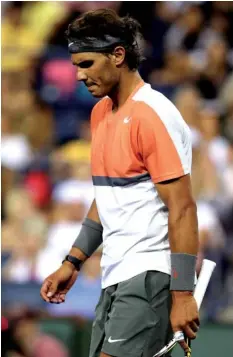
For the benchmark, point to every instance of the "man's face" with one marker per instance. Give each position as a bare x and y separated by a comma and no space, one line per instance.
98,71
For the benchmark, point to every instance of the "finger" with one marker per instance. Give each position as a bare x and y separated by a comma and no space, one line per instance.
44,290
58,299
54,300
45,286
52,289
184,345
62,297
189,332
44,297
194,326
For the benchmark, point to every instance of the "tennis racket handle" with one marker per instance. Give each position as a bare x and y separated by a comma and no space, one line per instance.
203,280
188,341
207,269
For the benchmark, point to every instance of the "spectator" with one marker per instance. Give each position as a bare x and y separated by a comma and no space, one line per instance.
218,147
32,341
215,72
23,265
227,104
17,201
212,245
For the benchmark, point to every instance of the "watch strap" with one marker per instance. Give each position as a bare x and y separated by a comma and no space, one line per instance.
75,261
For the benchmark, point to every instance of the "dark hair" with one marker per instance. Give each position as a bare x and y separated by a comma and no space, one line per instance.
102,22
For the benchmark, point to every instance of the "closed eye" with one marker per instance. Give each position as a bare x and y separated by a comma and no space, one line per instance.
85,64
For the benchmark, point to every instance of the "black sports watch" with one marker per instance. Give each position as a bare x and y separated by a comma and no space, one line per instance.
75,261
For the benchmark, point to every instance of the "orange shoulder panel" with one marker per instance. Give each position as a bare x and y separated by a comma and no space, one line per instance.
98,112
157,147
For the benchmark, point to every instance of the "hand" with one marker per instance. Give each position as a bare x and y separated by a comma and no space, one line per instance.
56,286
184,315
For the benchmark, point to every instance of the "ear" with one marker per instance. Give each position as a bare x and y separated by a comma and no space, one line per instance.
119,55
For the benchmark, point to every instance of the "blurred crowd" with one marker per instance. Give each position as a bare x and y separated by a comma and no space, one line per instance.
45,149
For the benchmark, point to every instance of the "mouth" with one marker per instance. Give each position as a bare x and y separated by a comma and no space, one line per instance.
90,85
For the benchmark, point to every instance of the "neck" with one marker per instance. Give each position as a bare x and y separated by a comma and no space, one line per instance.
128,81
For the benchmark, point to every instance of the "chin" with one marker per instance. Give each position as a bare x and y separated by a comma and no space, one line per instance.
98,94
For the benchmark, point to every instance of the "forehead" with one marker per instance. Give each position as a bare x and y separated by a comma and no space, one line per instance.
77,58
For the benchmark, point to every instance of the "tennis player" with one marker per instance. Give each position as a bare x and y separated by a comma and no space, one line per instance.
143,211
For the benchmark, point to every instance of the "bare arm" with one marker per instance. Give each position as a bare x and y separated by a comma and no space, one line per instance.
183,238
182,220
93,213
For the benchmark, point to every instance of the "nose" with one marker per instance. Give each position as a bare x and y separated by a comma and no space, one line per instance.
81,75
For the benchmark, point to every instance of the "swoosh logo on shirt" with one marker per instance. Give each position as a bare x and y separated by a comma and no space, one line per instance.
126,120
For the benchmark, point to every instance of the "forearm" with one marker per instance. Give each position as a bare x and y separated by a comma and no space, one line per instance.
183,237
183,229
76,252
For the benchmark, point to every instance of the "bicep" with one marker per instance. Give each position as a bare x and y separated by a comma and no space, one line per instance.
176,193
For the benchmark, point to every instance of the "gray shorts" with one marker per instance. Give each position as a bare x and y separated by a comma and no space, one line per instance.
133,317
